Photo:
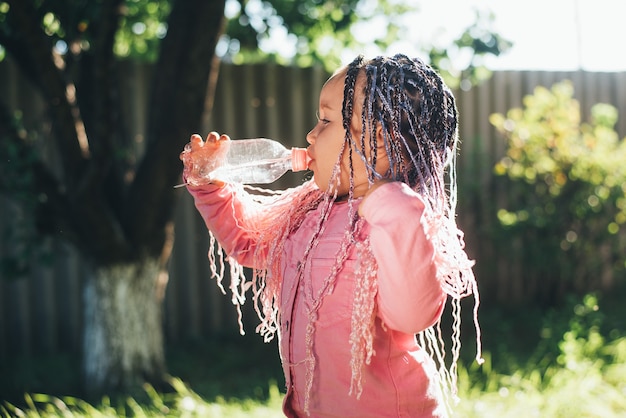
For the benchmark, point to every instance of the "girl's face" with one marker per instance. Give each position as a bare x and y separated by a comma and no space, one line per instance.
326,140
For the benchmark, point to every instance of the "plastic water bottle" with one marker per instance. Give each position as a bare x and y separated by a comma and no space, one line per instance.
257,161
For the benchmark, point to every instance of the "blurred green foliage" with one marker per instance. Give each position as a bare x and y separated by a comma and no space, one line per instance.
567,187
142,27
322,30
319,30
302,33
477,41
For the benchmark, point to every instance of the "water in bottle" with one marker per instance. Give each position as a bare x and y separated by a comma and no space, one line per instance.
255,161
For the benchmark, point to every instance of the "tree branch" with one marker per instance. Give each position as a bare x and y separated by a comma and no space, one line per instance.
103,86
99,104
87,211
177,105
33,53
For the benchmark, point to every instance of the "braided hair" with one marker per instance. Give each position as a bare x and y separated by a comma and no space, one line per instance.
416,113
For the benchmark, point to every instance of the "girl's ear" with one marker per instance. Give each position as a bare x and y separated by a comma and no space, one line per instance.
382,159
379,137
380,142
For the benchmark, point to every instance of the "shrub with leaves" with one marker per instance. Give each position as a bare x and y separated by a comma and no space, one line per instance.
567,182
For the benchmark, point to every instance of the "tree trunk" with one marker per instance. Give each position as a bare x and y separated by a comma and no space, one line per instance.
123,333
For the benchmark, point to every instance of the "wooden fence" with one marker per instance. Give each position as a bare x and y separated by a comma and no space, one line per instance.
42,314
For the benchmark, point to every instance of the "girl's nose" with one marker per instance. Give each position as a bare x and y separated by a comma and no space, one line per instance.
310,137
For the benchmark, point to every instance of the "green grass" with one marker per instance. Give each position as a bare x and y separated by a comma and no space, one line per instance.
575,368
569,362
182,403
584,387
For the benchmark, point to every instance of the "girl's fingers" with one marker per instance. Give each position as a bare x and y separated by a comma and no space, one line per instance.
215,140
212,137
194,143
197,144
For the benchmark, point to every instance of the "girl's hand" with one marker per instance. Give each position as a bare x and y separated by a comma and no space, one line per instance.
200,158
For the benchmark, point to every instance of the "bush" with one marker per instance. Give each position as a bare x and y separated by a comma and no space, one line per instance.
568,185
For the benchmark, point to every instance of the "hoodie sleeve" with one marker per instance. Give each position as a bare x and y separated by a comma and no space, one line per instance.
410,297
226,217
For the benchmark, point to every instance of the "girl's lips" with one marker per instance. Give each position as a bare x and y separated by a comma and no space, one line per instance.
310,159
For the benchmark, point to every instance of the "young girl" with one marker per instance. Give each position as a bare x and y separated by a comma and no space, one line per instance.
349,267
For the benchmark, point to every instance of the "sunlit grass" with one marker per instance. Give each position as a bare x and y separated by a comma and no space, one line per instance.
184,402
582,374
577,369
587,390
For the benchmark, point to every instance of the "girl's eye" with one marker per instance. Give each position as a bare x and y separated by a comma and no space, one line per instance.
322,120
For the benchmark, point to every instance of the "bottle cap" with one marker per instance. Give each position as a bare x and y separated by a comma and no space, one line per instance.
299,159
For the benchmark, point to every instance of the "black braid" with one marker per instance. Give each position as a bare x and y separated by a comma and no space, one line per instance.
417,114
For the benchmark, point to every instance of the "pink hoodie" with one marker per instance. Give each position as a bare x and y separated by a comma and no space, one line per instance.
397,382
